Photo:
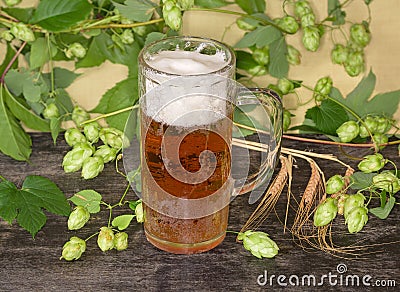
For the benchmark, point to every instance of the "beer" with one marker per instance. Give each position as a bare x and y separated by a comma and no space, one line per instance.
186,128
188,235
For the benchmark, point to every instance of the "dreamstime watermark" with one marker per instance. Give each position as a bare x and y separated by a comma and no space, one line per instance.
340,277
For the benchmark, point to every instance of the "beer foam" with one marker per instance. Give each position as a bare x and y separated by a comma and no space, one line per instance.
187,62
192,111
192,100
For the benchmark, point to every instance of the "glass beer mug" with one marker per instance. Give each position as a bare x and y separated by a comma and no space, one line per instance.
188,100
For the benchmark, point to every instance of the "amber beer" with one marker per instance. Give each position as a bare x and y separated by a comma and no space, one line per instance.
186,235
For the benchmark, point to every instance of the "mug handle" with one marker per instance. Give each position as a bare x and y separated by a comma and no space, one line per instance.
258,126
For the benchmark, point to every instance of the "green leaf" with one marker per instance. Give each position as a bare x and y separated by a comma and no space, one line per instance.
251,6
278,65
14,141
154,36
26,204
47,194
63,101
361,180
94,55
58,15
124,94
261,36
8,210
55,128
30,217
21,112
102,47
211,3
7,59
31,91
244,60
383,213
334,9
62,77
89,199
360,102
328,116
122,222
22,14
136,10
41,52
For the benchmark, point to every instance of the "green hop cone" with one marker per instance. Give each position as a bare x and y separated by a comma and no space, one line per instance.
335,184
322,88
348,131
380,139
326,212
73,136
293,56
92,131
92,166
387,181
113,138
73,249
127,37
185,4
354,64
121,241
311,38
259,244
107,153
285,86
308,19
261,55
359,34
243,24
372,163
105,239
287,119
51,111
78,218
383,125
22,32
172,15
79,115
140,30
301,8
351,202
339,54
258,70
75,50
356,219
74,158
371,124
139,213
6,35
288,24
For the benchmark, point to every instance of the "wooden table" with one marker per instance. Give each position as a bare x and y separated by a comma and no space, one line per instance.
28,264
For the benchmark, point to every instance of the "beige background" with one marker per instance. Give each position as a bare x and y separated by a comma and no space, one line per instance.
383,53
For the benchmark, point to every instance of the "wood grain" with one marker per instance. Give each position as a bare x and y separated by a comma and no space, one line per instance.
28,264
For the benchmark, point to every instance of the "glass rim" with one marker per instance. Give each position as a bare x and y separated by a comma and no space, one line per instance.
229,64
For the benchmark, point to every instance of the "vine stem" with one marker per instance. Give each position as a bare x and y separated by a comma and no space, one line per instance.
111,114
11,63
317,141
